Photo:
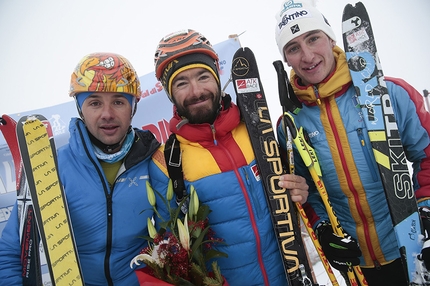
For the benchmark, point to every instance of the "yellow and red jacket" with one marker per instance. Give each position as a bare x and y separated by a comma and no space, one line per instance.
219,162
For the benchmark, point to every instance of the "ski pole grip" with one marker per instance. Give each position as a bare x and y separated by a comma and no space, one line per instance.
287,97
282,85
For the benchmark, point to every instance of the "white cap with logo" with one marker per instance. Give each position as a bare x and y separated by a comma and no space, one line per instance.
296,18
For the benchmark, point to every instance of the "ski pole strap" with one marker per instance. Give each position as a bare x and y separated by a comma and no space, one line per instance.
173,157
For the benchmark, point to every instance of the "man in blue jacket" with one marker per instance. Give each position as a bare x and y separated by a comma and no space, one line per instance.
104,169
218,160
333,120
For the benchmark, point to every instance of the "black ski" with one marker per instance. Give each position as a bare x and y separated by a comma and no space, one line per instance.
290,103
38,152
253,106
372,94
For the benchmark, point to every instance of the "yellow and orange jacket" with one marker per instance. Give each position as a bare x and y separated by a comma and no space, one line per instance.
334,123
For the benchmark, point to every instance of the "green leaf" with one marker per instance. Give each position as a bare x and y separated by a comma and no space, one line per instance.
212,253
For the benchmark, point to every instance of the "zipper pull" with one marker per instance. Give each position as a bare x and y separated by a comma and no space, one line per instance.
360,135
213,135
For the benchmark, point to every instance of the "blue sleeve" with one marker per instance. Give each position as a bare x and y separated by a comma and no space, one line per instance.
10,251
159,182
414,126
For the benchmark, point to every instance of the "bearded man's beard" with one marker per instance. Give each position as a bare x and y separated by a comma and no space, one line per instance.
205,114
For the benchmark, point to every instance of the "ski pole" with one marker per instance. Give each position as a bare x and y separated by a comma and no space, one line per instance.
305,218
311,161
294,105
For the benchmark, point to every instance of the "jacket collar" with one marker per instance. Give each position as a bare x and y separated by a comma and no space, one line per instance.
227,120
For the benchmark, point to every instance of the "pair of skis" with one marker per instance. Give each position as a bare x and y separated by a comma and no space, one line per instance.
42,207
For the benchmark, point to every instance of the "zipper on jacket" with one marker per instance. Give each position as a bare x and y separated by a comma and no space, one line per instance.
366,154
351,187
108,238
317,94
213,134
259,251
253,194
108,196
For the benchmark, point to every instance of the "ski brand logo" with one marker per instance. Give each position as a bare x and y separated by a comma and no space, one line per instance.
289,5
256,172
240,66
351,24
247,85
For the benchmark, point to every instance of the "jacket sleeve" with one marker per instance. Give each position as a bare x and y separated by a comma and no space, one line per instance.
10,252
159,180
414,127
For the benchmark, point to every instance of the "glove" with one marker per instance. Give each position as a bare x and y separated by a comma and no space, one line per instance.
425,251
341,252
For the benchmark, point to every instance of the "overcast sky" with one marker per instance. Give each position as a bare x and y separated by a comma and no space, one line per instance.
41,41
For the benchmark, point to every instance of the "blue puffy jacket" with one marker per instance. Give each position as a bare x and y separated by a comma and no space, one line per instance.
336,130
219,162
107,222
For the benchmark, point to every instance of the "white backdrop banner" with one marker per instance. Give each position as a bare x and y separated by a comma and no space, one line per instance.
153,113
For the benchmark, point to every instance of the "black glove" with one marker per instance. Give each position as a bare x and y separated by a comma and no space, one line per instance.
425,251
341,252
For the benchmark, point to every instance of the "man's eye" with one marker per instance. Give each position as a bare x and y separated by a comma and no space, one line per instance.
292,49
94,103
313,39
180,83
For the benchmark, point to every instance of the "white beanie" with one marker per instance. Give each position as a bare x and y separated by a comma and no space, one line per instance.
296,18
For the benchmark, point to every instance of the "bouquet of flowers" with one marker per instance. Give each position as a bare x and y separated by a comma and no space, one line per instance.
178,252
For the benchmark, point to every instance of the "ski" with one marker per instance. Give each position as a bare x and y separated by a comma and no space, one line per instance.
254,110
38,154
31,251
372,94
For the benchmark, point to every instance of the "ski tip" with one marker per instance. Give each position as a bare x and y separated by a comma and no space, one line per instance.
6,119
359,6
241,51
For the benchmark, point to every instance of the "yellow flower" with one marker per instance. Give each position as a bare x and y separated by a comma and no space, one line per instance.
151,229
169,195
150,194
184,234
194,202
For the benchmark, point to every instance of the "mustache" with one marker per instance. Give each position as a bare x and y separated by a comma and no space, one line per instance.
196,99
